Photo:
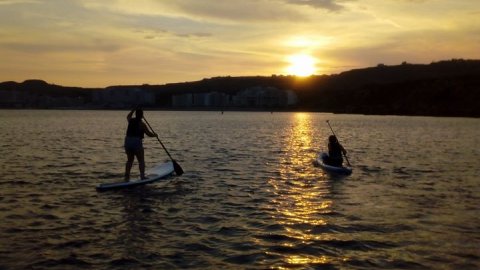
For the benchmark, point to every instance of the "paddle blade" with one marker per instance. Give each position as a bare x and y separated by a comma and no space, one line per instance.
177,168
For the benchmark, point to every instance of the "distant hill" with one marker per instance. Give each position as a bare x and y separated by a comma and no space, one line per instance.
445,88
42,87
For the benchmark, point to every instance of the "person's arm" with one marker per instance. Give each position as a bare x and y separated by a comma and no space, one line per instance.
343,150
147,131
130,114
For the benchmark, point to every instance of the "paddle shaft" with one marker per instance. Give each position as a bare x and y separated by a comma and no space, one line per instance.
158,139
178,169
328,123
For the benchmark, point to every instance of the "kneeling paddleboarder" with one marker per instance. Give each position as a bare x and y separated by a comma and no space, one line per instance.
335,151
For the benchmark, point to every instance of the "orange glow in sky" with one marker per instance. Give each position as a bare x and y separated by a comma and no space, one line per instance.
93,43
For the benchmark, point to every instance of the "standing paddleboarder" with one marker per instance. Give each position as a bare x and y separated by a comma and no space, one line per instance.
134,142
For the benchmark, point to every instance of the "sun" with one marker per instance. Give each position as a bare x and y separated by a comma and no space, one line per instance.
301,65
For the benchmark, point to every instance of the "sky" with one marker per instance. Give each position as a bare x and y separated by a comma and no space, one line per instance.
98,43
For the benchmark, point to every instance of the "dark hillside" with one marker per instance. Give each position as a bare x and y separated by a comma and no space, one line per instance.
445,88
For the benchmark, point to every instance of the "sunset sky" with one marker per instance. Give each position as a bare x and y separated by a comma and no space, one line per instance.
93,43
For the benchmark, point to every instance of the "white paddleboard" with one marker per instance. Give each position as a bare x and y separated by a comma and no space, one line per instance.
158,172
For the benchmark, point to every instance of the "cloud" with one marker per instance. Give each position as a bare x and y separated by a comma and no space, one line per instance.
246,10
156,34
204,11
16,2
331,5
73,47
423,46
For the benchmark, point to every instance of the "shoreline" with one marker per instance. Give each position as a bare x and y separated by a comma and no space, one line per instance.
199,109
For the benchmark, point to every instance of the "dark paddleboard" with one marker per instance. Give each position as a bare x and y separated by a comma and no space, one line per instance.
332,169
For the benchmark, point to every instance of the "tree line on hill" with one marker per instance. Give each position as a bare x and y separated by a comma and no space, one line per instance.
444,88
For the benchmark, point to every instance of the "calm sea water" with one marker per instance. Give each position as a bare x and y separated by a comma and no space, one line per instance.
250,197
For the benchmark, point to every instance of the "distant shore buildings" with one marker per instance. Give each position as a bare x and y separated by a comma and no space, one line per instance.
114,97
22,99
120,97
253,97
250,98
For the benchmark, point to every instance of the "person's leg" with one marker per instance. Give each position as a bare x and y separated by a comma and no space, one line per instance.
141,162
128,165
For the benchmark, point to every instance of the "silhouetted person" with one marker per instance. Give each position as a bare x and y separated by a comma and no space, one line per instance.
134,142
335,151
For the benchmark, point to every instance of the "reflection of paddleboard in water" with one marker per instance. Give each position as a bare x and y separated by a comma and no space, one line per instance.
158,172
332,169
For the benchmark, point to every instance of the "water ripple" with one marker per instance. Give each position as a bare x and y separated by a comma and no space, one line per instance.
250,197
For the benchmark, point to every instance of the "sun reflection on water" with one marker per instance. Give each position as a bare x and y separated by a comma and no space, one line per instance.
301,198
307,260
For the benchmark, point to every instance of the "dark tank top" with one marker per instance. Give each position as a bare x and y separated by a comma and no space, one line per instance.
335,151
134,128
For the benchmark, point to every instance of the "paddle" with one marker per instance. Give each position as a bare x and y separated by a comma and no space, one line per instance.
348,162
176,167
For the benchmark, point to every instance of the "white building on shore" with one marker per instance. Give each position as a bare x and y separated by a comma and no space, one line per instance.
123,97
254,97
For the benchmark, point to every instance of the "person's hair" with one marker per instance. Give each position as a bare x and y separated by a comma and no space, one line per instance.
139,113
332,139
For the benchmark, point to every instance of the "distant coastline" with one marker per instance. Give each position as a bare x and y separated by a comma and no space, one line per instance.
445,88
